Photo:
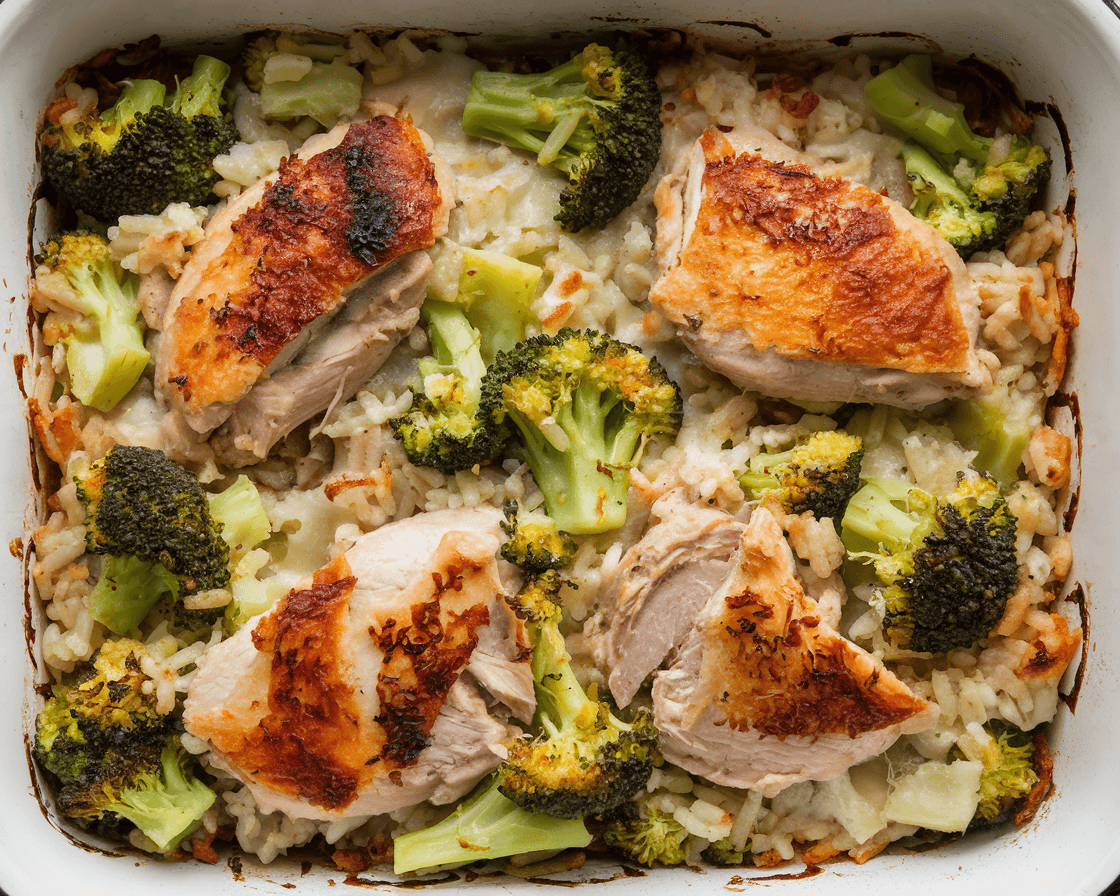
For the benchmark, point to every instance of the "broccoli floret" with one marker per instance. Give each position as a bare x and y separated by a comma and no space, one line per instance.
1008,777
97,319
597,118
112,753
140,155
584,405
820,475
1001,180
533,541
940,201
724,852
997,426
444,428
142,505
653,837
485,826
582,760
951,563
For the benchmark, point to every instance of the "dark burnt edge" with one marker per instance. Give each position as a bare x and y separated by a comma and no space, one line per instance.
1080,596
753,26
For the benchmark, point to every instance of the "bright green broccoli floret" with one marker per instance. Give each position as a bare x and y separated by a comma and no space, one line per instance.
582,760
533,541
485,826
584,405
141,154
597,118
1001,178
651,838
950,565
97,320
820,475
1008,776
942,202
997,426
112,753
444,428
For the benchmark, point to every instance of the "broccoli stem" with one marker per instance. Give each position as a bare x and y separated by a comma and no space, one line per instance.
126,592
905,96
240,514
498,293
940,185
200,93
166,807
455,344
486,825
872,514
136,99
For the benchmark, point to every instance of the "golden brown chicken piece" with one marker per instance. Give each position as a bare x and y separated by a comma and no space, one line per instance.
285,254
763,693
809,287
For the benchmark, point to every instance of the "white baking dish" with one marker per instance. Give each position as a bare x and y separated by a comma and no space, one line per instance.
1064,52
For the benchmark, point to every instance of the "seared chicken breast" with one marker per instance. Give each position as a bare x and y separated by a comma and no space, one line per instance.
284,256
808,287
385,679
763,694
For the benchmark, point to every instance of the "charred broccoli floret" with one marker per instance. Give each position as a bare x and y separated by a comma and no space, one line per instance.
597,118
142,154
533,541
650,838
584,405
1001,178
950,565
484,826
94,313
582,760
820,475
112,753
444,428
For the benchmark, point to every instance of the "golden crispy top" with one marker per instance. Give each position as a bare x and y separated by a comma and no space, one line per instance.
776,669
816,268
328,221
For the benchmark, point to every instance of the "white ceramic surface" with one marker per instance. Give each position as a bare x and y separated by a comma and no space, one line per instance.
1066,52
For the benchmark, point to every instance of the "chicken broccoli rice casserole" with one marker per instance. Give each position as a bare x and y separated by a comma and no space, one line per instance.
624,449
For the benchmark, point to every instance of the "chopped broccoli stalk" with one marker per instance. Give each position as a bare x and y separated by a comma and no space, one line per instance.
951,565
329,92
142,504
484,826
582,760
940,201
997,426
1002,179
496,293
128,589
318,47
1009,774
99,324
238,511
820,475
654,837
112,753
533,541
143,153
596,118
584,405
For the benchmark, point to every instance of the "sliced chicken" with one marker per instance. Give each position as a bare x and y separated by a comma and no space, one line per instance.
763,694
385,679
333,366
663,581
808,287
281,259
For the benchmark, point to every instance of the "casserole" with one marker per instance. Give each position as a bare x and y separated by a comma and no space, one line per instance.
1034,47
